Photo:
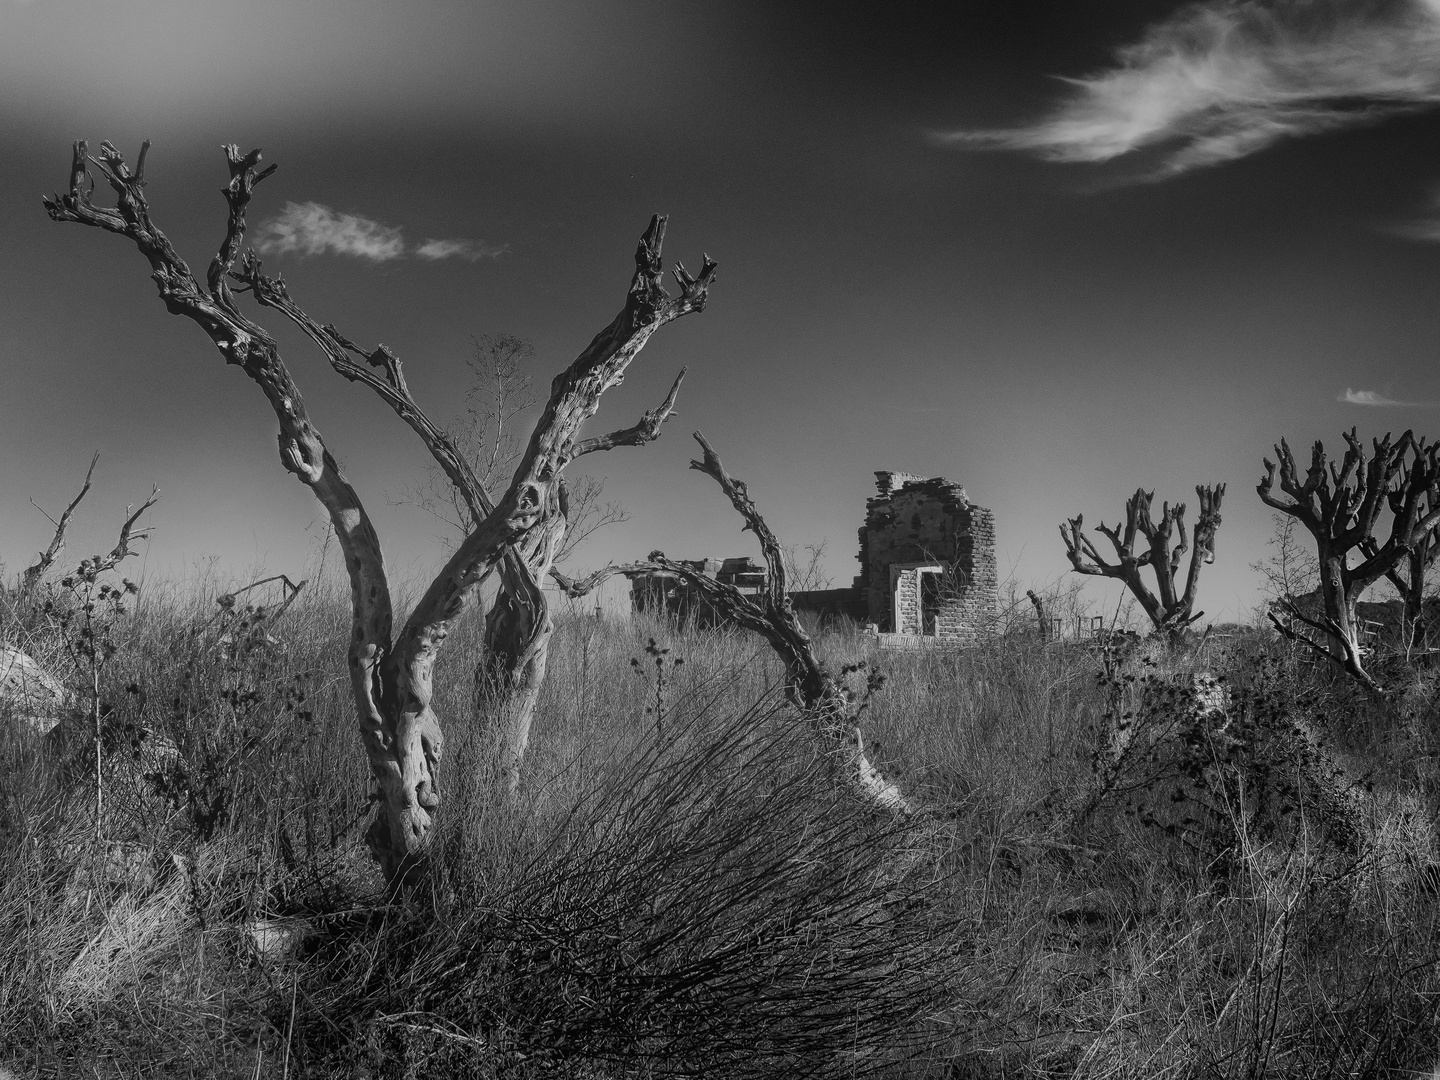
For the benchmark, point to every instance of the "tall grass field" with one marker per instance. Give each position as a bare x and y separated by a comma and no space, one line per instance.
1211,861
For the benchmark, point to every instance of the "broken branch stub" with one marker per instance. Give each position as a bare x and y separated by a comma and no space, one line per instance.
809,684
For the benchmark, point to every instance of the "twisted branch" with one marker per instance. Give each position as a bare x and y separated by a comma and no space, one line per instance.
30,579
809,684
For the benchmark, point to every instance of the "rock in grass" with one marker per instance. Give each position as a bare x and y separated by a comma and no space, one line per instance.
33,697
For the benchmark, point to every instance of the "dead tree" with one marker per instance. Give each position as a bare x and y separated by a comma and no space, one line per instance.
1169,608
828,706
390,671
518,625
1040,617
30,579
1408,576
1341,507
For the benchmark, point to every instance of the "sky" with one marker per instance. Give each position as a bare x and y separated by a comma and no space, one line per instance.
1054,250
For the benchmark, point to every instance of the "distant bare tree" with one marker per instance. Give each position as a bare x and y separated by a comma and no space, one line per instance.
1170,609
1289,571
30,579
489,437
511,667
1409,575
1341,508
805,566
519,531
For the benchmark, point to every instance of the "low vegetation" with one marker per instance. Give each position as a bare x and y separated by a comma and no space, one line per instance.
1215,860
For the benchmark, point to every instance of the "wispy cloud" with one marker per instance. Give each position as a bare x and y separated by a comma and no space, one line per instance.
1374,398
1221,79
1426,227
471,250
313,229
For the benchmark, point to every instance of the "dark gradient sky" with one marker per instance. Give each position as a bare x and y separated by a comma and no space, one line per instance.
1049,333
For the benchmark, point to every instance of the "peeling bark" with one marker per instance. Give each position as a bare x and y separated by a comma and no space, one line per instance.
390,677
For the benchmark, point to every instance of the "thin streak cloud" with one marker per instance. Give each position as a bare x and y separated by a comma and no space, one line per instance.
470,250
314,229
1426,227
1220,80
1376,399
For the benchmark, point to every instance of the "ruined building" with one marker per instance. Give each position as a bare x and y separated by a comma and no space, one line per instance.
927,559
664,593
927,568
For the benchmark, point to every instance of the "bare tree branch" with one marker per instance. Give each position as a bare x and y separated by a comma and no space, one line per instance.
391,681
382,373
96,565
575,588
30,579
1351,658
533,494
1169,611
809,684
1341,506
403,761
646,430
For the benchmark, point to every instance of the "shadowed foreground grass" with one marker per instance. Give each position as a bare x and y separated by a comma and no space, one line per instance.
1107,882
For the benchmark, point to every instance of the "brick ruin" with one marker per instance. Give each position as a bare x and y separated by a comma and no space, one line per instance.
927,560
927,568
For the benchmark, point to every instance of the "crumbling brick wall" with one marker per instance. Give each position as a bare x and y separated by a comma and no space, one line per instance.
927,558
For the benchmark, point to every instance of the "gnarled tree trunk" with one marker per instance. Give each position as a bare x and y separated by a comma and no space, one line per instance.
391,673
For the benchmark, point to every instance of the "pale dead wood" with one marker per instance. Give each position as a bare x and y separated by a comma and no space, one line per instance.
575,588
30,578
399,766
534,495
391,680
647,429
1350,658
809,684
98,564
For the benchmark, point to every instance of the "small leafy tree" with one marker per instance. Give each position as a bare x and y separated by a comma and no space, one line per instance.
1171,609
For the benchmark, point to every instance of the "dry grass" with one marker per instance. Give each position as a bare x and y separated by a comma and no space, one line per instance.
1107,885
